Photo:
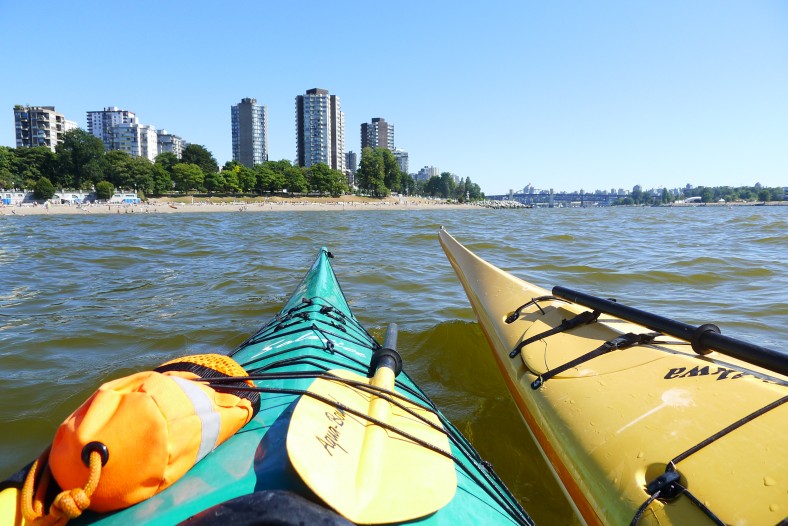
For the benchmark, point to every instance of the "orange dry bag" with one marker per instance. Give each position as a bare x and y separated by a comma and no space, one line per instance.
137,435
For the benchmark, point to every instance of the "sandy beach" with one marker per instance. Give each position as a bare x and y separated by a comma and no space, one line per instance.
215,204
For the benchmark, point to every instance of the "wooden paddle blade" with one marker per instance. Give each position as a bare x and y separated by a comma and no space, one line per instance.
366,473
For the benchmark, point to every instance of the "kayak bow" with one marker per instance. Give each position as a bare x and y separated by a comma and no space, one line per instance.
637,427
341,434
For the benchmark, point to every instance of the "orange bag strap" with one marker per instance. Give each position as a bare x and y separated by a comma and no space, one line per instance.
68,504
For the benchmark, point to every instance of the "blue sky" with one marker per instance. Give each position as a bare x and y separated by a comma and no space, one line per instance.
568,95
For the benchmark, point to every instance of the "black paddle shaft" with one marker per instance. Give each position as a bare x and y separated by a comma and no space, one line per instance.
703,337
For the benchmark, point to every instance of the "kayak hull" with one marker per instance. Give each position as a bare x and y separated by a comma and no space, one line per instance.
613,423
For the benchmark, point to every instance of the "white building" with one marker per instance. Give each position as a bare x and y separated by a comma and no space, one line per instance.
100,123
138,140
427,172
402,159
320,130
168,142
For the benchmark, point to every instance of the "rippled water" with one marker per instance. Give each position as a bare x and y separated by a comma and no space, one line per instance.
85,299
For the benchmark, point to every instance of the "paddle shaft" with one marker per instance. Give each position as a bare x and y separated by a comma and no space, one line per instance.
747,352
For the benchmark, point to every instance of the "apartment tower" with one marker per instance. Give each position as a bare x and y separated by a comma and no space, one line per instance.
250,132
377,134
320,130
101,122
40,126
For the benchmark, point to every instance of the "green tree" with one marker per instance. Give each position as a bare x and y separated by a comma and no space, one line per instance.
371,173
119,169
408,184
44,189
199,155
214,182
433,186
473,190
392,176
34,163
707,194
268,179
324,180
187,177
295,180
104,190
162,180
764,194
231,182
8,177
246,178
167,160
79,160
447,185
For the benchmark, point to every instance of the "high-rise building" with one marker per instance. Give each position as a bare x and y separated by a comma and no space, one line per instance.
167,142
320,130
100,123
40,126
427,172
250,132
402,159
377,134
351,161
138,140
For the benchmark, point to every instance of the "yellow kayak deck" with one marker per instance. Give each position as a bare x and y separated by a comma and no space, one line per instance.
613,421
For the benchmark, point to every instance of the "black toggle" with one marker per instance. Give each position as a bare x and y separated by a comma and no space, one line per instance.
90,447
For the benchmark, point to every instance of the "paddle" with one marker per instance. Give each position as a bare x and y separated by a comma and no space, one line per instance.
365,472
703,338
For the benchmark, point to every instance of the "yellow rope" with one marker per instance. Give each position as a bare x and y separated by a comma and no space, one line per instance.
68,504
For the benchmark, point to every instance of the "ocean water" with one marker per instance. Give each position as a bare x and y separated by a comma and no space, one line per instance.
85,299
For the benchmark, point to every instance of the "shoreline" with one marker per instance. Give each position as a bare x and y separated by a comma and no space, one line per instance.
272,204
284,204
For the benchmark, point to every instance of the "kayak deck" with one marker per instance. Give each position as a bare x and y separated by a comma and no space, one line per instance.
314,333
613,407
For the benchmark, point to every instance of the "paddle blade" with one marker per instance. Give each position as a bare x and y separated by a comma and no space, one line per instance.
367,473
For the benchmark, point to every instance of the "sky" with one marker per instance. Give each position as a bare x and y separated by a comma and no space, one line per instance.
567,95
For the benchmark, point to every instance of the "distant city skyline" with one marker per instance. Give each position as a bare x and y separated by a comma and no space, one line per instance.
507,93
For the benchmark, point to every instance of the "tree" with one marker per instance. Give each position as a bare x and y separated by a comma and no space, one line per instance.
764,194
392,176
295,181
407,184
433,186
8,177
447,184
707,195
79,160
199,155
34,163
214,182
246,178
119,169
371,172
167,160
267,179
324,180
162,180
187,177
104,190
44,189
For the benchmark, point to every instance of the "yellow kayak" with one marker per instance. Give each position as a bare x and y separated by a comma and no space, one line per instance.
642,423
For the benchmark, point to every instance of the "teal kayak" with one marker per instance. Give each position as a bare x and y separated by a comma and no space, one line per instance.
341,436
